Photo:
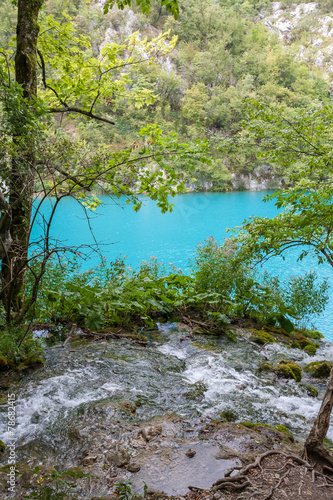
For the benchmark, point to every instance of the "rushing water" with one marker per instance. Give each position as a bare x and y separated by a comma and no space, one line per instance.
65,397
172,237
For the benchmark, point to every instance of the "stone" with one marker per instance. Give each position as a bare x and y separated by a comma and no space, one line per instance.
148,433
319,369
190,453
138,442
89,460
133,467
118,457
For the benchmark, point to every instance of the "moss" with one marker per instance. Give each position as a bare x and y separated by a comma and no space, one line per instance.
310,350
314,334
197,391
319,369
310,390
266,367
4,365
280,428
32,361
2,446
228,416
261,337
289,369
250,425
3,401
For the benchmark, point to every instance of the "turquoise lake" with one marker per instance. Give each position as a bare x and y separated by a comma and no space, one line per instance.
172,237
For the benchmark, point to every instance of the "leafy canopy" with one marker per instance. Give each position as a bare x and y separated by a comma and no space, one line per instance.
144,5
303,146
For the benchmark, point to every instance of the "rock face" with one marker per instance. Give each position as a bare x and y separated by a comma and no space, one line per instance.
307,31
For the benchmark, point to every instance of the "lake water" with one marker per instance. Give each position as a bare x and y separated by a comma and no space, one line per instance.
172,237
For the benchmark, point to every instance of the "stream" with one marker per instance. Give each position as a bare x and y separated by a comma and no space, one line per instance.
89,394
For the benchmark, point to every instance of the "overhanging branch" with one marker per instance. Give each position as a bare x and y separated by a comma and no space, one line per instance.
69,109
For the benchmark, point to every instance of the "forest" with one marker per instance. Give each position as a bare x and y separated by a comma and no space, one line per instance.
141,100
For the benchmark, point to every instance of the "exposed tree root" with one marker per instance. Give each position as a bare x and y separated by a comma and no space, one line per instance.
241,480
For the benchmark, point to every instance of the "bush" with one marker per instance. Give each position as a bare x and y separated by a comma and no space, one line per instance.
17,348
217,268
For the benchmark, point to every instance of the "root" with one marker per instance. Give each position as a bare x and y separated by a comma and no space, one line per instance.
240,481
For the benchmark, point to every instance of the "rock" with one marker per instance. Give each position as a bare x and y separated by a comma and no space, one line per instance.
225,453
138,442
148,433
319,369
289,369
3,364
285,369
190,453
89,460
310,390
314,334
133,467
118,457
261,337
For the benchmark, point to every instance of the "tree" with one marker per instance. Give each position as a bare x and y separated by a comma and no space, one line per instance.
80,81
302,144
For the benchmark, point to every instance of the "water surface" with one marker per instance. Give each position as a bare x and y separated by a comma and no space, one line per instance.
172,237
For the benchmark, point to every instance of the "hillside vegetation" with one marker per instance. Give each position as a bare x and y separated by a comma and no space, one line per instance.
226,52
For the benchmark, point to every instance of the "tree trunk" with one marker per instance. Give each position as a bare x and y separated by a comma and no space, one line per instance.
314,443
14,230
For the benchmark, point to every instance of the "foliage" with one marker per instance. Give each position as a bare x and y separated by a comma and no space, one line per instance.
222,57
56,485
18,347
304,145
220,268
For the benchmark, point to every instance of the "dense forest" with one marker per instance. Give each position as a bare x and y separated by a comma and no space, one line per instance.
224,54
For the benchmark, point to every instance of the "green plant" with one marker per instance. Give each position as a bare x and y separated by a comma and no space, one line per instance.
17,347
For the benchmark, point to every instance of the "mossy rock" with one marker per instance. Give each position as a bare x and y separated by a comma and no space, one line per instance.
283,428
289,369
310,349
266,367
4,365
310,390
280,428
32,361
319,369
314,334
228,416
3,401
261,337
2,446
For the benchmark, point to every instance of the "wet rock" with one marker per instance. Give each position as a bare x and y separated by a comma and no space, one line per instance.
133,467
285,369
148,433
89,460
190,453
197,391
319,369
138,442
225,453
310,390
118,457
261,337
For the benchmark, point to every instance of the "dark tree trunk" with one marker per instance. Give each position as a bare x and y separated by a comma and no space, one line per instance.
15,219
314,443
